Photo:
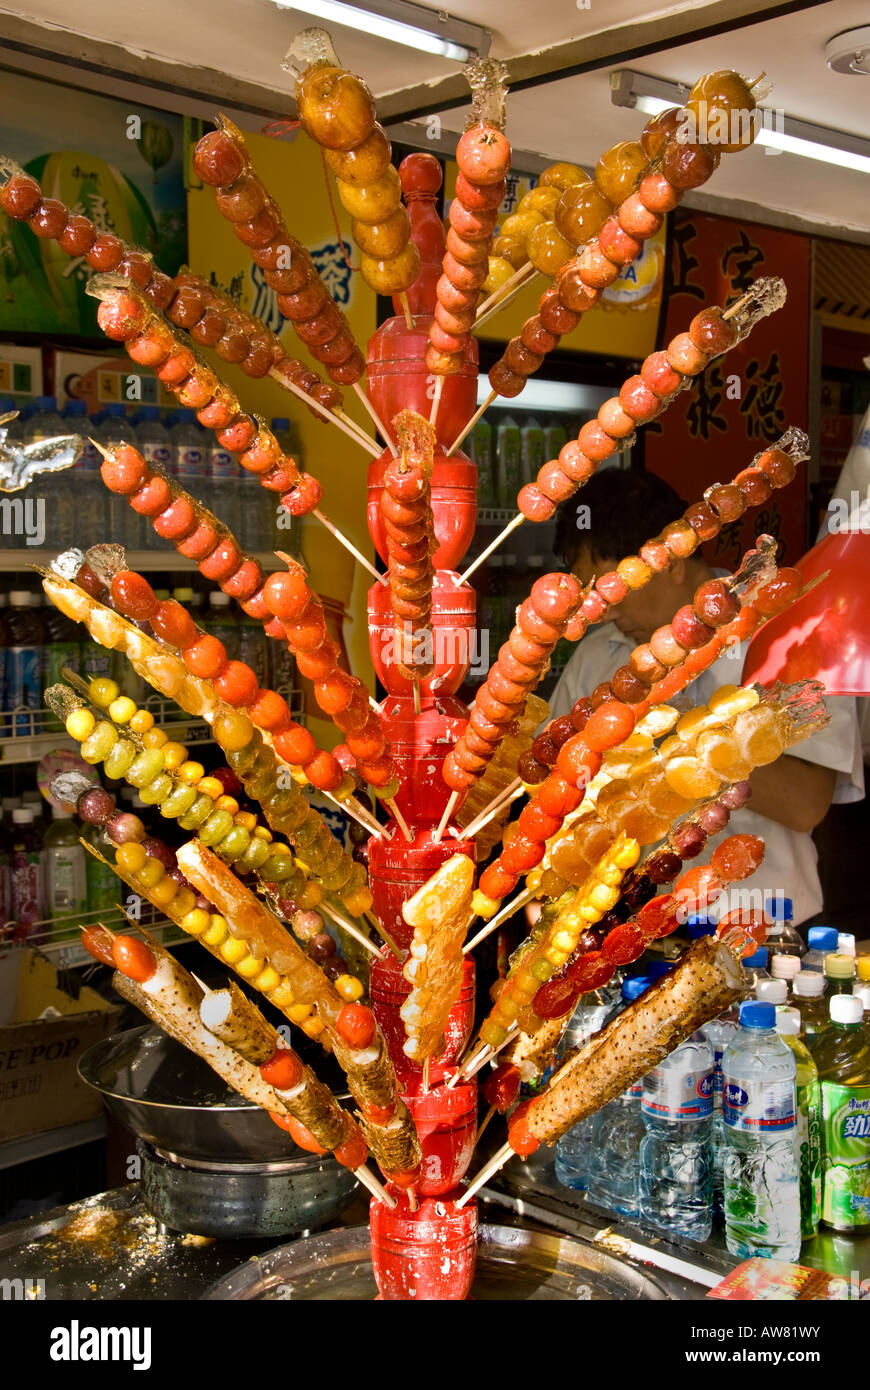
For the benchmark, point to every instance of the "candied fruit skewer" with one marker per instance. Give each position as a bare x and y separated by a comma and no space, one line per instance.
499,780
233,731
439,913
406,509
387,1125
337,111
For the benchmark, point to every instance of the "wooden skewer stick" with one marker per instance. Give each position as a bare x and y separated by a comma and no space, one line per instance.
498,1160
406,308
493,1052
481,410
489,927
478,1053
351,930
737,305
417,706
379,424
348,545
436,399
351,807
506,794
426,1065
357,429
485,1121
323,412
504,302
524,273
493,545
755,81
376,1188
382,931
448,812
399,819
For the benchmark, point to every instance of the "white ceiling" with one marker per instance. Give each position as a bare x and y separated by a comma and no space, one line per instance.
572,118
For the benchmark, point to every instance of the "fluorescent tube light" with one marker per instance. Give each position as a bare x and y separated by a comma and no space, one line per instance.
400,21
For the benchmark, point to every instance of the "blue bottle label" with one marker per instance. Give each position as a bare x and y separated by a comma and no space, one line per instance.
22,672
221,463
669,1094
759,1105
157,455
189,462
89,459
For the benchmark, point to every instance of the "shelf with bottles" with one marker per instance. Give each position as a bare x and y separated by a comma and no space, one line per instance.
26,735
59,937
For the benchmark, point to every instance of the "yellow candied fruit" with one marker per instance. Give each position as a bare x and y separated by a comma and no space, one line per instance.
729,700
312,895
483,906
191,772
162,893
102,691
349,988
150,874
227,803
312,1027
131,857
122,709
555,956
210,786
268,979
246,820
565,940
297,1013
142,721
217,929
356,903
154,738
195,922
185,901
634,571
264,833
282,995
626,856
601,897
80,724
233,950
533,880
250,966
492,1033
174,755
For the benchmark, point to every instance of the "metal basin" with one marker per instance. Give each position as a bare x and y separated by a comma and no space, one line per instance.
512,1264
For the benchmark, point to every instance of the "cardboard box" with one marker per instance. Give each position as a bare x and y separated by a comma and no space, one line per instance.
40,1087
100,378
20,372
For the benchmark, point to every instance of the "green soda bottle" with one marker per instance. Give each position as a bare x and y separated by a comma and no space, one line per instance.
843,1060
809,1120
839,972
481,452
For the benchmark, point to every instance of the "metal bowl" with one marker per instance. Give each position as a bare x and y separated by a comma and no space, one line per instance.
173,1100
512,1264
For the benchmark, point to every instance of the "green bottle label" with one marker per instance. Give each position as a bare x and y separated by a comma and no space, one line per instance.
809,1128
846,1178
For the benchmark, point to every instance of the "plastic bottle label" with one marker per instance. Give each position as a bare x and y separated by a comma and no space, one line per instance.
157,455
26,886
23,683
759,1106
809,1128
65,879
89,459
635,1092
221,463
676,1095
189,462
846,1178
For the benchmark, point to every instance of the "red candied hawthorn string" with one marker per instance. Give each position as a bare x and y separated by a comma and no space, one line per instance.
222,161
409,525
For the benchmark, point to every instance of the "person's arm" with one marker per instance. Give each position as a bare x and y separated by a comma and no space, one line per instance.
793,792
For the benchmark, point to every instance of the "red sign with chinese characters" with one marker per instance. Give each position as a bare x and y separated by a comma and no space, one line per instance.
745,400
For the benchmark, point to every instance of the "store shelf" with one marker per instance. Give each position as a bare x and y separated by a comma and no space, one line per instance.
154,561
26,735
59,938
51,1141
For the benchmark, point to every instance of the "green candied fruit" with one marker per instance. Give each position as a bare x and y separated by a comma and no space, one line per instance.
145,767
99,742
280,801
339,876
120,758
158,790
542,970
277,867
291,817
200,811
234,844
306,834
241,760
178,802
219,824
256,854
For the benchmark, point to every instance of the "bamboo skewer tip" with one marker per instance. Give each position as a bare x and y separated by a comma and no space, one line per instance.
481,410
448,812
498,1160
378,422
493,545
399,819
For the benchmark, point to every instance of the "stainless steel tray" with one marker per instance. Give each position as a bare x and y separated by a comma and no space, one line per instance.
512,1264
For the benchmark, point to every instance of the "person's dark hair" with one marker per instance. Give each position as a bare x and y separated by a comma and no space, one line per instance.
626,508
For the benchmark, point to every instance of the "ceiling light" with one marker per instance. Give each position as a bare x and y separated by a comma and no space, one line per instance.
402,21
850,52
777,131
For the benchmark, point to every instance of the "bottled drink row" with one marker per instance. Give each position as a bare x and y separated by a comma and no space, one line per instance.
78,504
763,1116
37,641
510,455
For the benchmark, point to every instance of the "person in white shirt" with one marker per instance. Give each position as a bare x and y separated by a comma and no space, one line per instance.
789,797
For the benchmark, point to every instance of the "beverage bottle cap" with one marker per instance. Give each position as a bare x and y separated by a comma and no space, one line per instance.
846,943
846,1008
22,815
840,967
19,598
863,965
809,984
823,939
280,422
862,992
218,600
634,986
75,408
755,1014
780,909
788,1022
656,969
116,410
785,967
771,991
45,403
700,925
758,959
184,595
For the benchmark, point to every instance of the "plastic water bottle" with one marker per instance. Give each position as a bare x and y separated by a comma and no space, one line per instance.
719,1033
808,997
114,429
755,969
222,470
782,935
51,489
188,450
222,623
155,446
760,1169
809,1120
785,967
822,942
90,497
572,1150
64,870
613,1170
676,1153
843,1060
